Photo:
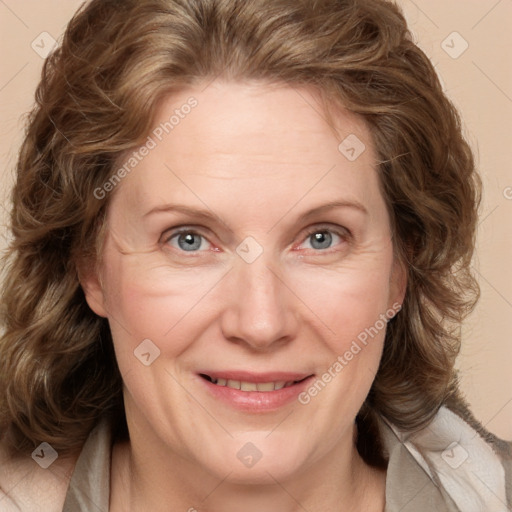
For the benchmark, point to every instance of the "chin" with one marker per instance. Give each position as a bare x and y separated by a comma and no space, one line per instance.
255,459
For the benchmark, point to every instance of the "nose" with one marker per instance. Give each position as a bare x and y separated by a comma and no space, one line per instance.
261,312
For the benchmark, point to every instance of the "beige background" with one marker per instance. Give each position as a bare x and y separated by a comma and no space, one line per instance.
479,81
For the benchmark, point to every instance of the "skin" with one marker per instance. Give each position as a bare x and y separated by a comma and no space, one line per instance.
257,157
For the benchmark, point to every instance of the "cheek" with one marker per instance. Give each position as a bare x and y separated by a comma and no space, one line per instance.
349,303
152,302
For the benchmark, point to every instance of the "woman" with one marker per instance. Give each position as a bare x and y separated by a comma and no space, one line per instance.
242,235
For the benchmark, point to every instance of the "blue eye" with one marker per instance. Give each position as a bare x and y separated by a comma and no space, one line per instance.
321,239
188,241
318,239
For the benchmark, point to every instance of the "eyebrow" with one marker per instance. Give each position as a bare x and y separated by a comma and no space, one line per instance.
209,215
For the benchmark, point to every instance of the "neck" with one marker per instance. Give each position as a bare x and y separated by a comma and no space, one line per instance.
153,478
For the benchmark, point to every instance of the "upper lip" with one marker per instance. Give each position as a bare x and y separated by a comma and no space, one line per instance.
245,376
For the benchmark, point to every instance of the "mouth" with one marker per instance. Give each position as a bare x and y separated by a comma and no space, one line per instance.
251,386
255,393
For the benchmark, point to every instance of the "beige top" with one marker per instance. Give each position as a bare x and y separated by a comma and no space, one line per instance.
447,467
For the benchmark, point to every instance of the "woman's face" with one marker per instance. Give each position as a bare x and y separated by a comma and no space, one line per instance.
246,248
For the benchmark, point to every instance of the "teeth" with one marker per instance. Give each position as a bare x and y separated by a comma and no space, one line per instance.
248,386
265,386
235,384
253,386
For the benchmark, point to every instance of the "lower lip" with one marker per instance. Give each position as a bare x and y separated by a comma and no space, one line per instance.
256,401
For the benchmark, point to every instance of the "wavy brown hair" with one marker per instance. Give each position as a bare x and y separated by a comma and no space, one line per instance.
96,100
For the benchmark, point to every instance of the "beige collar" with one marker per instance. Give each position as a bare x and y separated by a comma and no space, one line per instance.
446,467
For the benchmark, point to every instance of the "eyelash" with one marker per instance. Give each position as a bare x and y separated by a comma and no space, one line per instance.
344,234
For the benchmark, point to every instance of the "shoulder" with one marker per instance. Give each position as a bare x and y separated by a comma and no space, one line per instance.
27,486
452,462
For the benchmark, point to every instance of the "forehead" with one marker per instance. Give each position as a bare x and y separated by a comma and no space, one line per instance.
233,118
252,140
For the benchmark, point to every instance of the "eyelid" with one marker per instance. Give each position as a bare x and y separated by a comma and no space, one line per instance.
174,232
335,228
344,233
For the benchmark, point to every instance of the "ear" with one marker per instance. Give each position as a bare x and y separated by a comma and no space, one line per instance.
398,282
92,287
